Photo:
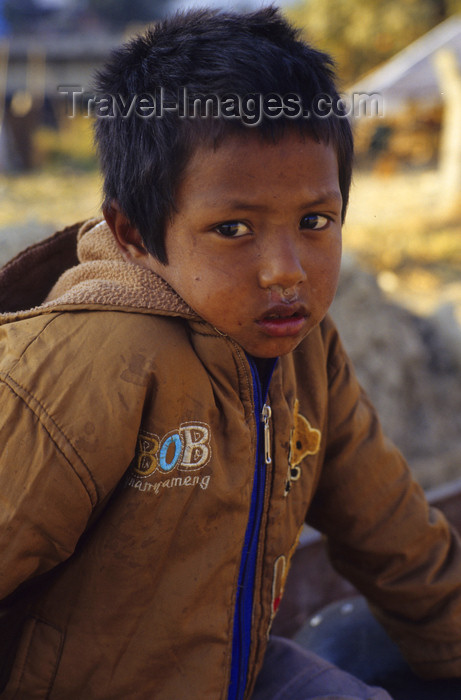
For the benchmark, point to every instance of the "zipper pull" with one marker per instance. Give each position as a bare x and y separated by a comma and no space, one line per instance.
265,417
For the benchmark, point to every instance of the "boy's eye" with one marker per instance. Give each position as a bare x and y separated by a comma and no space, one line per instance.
314,222
232,229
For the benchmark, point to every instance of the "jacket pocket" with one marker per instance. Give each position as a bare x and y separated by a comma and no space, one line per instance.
36,662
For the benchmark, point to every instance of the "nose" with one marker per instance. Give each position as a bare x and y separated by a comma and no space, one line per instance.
280,264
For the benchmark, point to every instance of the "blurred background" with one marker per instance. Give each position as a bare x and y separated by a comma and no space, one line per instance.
399,301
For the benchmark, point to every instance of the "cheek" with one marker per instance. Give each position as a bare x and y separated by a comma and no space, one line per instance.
324,278
208,297
324,264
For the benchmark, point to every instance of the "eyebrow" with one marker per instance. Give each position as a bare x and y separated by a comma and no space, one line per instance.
326,197
322,199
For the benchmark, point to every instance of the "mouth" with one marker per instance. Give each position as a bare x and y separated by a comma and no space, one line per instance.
283,320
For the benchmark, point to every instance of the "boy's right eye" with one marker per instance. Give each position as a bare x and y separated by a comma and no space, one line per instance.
232,229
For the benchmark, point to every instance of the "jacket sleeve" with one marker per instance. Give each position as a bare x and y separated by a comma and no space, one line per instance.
45,501
381,533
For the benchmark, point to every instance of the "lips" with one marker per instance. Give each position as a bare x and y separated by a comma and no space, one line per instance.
283,320
284,311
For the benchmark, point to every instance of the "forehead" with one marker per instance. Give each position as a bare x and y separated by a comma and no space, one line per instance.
252,167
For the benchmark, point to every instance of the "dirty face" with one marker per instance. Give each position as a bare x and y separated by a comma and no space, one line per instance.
255,245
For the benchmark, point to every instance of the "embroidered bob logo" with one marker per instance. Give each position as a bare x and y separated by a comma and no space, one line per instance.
187,449
304,441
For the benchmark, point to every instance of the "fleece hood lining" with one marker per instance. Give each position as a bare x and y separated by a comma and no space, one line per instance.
89,271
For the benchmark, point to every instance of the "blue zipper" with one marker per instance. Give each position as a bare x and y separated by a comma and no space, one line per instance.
245,588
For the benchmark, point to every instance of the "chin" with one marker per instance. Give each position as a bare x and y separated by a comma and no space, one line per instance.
275,349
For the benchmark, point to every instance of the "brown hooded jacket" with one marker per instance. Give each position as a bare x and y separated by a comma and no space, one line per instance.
134,454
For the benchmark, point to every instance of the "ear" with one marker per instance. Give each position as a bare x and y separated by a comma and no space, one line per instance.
126,235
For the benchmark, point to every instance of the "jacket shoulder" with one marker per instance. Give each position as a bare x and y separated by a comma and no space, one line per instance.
85,376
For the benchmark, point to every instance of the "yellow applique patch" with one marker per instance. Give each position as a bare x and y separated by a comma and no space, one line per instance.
304,441
278,582
279,578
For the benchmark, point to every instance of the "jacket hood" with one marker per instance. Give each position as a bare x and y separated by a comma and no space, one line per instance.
78,268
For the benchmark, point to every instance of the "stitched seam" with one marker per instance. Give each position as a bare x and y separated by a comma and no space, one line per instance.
40,620
238,358
11,384
242,359
24,664
249,386
209,335
31,342
58,657
335,364
244,362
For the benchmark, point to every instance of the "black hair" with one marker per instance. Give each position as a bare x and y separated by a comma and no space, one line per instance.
211,53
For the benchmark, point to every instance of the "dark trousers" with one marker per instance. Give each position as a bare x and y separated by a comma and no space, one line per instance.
292,673
357,660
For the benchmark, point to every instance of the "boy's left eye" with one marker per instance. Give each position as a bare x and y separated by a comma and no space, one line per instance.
314,222
232,229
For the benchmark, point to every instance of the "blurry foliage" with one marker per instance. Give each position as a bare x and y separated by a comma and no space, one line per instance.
361,34
70,146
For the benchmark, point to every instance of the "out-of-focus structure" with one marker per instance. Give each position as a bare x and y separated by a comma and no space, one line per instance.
36,81
411,75
46,45
420,121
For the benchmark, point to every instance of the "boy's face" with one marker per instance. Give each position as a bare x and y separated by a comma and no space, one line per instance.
255,244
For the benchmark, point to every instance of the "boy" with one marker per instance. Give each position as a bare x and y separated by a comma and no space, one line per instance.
177,404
